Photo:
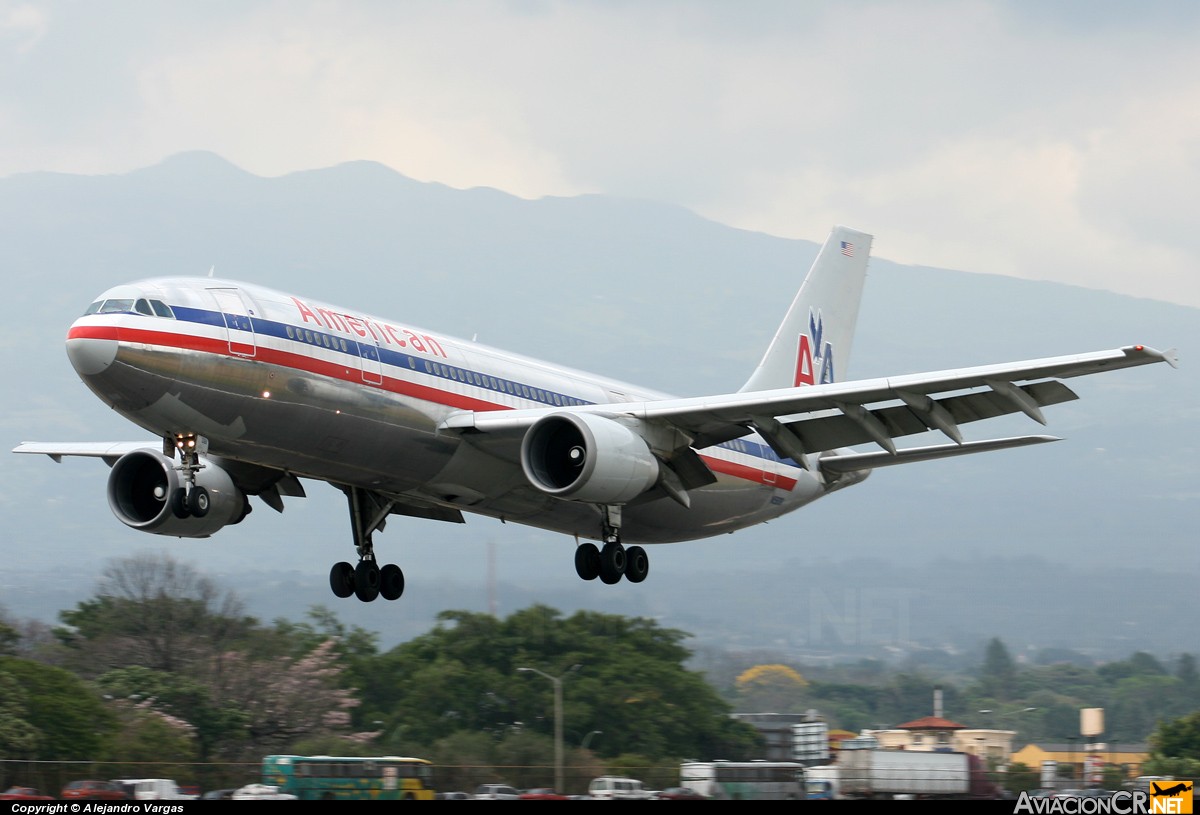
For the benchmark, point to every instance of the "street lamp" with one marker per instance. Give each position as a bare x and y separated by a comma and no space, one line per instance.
558,740
583,745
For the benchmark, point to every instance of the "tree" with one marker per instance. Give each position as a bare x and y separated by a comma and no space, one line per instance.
153,611
18,738
631,684
998,675
69,717
770,688
1178,738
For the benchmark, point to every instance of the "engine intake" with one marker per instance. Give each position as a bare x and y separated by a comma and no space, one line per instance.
589,458
142,482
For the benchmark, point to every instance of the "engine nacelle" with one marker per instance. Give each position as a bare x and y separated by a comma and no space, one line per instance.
142,482
589,458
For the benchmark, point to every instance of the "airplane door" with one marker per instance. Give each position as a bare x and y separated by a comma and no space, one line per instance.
372,369
239,328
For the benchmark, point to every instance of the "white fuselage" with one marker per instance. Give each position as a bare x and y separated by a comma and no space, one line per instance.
321,392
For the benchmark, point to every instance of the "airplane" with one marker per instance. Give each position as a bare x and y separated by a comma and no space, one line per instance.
250,391
1176,789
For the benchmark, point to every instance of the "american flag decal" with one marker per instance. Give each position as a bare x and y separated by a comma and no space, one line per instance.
847,249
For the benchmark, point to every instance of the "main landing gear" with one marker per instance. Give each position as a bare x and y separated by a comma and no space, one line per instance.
190,500
367,580
614,560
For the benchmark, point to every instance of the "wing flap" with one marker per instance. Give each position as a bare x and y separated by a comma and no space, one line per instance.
838,430
853,462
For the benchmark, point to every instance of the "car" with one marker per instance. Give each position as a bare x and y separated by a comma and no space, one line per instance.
24,794
219,795
542,794
92,790
452,796
496,792
260,792
680,794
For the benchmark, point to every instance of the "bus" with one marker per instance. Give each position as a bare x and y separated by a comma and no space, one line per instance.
745,780
350,778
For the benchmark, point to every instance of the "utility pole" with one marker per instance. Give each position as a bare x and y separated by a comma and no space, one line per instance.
558,723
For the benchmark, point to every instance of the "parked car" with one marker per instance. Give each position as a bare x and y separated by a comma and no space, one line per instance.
92,790
24,794
452,796
542,794
680,794
496,792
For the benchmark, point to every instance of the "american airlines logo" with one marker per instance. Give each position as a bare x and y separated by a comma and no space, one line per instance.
814,356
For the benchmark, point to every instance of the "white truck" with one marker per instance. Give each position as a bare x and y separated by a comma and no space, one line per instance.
912,774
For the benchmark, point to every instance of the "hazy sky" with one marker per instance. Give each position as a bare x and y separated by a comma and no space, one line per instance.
1056,140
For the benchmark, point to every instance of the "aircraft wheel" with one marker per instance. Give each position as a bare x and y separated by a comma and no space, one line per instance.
587,561
199,501
391,582
612,562
637,564
366,580
179,505
341,579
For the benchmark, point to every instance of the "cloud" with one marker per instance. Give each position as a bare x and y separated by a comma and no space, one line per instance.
1056,143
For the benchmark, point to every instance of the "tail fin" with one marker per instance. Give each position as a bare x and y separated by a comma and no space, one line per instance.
812,346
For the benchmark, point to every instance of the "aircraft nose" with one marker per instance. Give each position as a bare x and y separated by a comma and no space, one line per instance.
90,356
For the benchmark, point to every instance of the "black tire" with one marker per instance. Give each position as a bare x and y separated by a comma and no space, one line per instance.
179,505
391,582
587,561
199,501
341,579
612,562
637,564
366,581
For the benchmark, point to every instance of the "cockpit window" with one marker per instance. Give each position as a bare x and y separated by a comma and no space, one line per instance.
116,306
121,305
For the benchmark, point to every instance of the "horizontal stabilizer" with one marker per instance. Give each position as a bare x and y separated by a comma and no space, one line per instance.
851,462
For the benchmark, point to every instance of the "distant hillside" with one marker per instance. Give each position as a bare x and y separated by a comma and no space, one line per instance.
652,294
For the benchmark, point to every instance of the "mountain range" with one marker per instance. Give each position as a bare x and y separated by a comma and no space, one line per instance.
1087,543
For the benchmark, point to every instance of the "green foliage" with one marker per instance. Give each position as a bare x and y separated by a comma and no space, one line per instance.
631,683
70,718
18,738
1021,778
998,676
1179,738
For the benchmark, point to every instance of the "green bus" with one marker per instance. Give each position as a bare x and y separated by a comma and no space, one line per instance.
350,778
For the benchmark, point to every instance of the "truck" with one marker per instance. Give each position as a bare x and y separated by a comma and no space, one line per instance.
913,774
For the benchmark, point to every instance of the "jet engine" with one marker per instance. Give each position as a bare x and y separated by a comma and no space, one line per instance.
141,487
589,458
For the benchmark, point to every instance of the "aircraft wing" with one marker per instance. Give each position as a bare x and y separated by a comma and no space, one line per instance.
110,451
819,418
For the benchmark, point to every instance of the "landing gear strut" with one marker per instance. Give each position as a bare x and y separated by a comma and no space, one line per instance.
612,561
190,499
366,581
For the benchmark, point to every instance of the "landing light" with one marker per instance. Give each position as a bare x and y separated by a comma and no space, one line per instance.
266,394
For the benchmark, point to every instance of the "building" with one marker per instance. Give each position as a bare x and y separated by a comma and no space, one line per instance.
1129,757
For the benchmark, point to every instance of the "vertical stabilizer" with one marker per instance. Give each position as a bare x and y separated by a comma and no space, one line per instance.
812,346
